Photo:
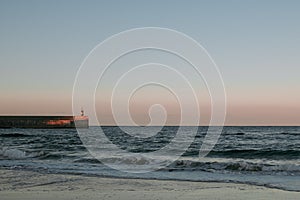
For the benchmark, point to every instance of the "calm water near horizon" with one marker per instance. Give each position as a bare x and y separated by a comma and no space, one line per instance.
267,156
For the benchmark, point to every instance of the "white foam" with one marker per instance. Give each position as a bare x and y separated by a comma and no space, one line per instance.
16,153
12,153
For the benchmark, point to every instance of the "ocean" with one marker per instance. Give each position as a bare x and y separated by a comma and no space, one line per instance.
265,156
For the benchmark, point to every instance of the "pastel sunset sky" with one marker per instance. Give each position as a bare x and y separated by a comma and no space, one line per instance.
255,45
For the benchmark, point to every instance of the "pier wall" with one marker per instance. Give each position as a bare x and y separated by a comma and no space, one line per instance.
43,121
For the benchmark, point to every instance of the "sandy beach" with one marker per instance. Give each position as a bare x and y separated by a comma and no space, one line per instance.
16,184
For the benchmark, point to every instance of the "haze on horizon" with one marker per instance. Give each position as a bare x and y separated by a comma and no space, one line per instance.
255,44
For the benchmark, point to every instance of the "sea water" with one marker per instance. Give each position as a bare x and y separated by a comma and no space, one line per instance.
268,156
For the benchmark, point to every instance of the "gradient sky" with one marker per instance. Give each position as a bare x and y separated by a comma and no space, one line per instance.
255,44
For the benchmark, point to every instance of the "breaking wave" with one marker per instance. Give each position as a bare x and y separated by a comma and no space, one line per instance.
259,153
233,165
12,154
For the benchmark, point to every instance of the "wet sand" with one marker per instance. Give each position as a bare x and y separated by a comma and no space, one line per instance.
16,184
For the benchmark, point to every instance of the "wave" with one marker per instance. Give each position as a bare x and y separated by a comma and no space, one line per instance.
253,153
222,165
87,160
233,165
14,135
233,133
291,133
8,153
289,154
240,133
216,170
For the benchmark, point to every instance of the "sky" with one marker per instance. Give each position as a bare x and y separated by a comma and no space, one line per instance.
255,45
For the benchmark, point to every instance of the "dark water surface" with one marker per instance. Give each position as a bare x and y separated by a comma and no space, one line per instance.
267,156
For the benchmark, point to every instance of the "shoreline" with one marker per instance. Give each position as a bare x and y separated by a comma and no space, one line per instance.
24,184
